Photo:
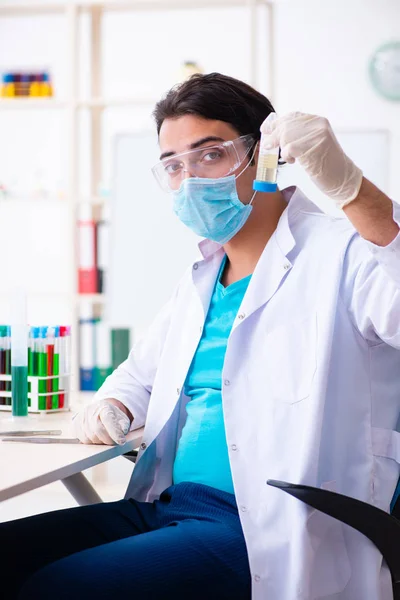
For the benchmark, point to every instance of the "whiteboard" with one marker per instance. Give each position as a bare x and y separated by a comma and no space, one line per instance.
151,249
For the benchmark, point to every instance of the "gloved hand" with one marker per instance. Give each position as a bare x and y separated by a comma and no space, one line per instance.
310,140
101,423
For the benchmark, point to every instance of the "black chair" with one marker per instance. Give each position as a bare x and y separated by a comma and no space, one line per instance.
380,527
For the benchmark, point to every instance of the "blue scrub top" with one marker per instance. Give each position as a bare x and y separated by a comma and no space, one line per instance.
202,455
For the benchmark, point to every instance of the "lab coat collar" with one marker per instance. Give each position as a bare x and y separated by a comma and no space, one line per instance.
296,201
208,248
274,260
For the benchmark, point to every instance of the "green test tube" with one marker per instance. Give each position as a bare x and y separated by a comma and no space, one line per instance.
42,366
3,334
30,353
33,352
56,368
19,355
8,362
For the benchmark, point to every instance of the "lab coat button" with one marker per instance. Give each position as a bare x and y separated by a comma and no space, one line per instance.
234,447
143,445
243,508
257,578
241,316
227,382
195,266
178,391
286,266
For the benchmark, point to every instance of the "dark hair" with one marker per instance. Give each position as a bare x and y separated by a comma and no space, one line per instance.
216,97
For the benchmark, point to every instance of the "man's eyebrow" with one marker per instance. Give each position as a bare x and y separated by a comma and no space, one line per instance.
197,144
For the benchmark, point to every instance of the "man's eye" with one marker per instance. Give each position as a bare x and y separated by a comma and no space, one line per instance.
172,168
211,156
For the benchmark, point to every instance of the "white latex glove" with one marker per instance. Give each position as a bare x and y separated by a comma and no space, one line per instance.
101,423
310,140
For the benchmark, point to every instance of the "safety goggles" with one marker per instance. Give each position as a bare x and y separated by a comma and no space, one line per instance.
218,160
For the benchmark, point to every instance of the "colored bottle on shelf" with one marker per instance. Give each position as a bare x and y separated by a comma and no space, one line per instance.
46,89
102,248
17,84
8,87
87,275
103,353
86,348
24,84
34,88
120,345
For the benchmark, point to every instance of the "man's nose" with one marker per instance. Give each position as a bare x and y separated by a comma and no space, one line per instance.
187,172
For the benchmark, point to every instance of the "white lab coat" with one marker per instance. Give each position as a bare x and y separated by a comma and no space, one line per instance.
311,394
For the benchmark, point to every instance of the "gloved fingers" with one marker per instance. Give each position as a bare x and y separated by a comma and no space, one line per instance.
268,126
273,123
270,141
100,434
88,428
287,154
79,429
302,129
115,422
82,437
94,439
101,423
118,416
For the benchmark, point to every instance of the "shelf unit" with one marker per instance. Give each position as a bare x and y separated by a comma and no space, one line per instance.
96,103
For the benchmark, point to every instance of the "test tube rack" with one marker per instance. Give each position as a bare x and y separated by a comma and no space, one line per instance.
40,402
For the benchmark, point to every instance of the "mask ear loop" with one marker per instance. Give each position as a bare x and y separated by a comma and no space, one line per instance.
243,170
252,198
249,163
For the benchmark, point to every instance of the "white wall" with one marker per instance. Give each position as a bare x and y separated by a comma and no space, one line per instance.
321,57
143,52
322,53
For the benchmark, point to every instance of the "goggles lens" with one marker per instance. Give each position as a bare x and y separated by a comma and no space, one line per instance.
219,160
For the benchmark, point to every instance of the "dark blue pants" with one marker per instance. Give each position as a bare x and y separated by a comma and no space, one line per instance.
187,545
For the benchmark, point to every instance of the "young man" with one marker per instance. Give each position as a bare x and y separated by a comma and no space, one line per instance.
277,357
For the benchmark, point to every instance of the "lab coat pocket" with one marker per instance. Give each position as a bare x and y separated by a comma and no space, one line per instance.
289,361
330,568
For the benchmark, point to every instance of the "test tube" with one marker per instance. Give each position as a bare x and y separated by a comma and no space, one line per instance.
42,366
19,356
8,362
56,367
68,365
34,335
63,340
267,166
50,343
3,334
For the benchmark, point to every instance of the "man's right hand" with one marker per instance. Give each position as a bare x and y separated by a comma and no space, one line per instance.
103,422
